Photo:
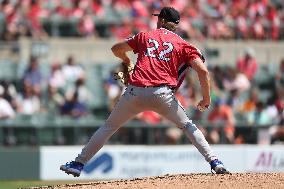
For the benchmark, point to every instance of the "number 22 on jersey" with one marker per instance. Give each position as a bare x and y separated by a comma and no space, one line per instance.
152,51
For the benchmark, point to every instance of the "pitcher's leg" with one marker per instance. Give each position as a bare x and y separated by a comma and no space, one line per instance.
174,111
122,112
199,141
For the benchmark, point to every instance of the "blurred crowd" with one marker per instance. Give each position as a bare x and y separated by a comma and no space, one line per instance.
245,94
214,19
62,92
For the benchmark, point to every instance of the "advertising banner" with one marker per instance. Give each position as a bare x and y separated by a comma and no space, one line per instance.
119,162
265,159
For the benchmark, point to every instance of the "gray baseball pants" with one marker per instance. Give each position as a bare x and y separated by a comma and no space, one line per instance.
138,99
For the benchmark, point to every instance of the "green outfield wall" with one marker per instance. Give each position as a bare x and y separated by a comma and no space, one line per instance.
19,163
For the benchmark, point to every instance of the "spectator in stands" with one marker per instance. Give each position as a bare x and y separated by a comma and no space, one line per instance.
274,22
221,115
274,108
248,64
113,89
72,71
74,107
28,101
258,31
242,28
277,132
7,112
279,78
54,100
235,81
77,9
279,103
279,81
33,76
98,8
59,10
259,116
56,79
34,13
84,95
234,100
10,93
216,90
219,74
250,104
86,25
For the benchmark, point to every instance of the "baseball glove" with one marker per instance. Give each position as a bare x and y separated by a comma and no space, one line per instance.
124,74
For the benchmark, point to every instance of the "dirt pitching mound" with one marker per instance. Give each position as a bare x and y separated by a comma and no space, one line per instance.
185,181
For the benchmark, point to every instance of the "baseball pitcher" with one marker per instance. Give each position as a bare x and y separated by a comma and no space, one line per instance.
163,58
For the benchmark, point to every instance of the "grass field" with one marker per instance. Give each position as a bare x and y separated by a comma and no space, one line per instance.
12,184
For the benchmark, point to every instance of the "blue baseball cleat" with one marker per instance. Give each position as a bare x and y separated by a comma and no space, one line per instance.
218,167
74,168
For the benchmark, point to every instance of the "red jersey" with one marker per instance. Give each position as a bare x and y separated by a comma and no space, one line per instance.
163,58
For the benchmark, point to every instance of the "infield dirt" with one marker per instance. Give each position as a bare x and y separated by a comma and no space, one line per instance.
186,181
